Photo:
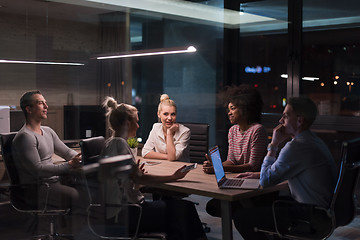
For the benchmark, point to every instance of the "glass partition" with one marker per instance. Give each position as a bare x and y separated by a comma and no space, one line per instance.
331,51
58,47
59,41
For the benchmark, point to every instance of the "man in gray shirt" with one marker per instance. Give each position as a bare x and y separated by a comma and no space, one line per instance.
33,148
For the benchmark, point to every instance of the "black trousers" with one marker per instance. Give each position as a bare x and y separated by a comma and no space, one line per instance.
61,196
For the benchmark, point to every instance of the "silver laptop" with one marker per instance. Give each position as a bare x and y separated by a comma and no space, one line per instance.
224,182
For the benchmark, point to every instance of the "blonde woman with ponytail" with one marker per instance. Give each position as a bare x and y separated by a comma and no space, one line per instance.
178,218
168,140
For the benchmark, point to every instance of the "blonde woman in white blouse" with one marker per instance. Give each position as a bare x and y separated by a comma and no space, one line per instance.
168,140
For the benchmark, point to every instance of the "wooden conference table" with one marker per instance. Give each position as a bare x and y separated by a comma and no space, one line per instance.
200,183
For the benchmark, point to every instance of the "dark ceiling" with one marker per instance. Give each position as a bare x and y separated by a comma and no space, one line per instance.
345,11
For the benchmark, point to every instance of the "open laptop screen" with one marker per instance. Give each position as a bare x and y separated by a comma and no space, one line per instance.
217,163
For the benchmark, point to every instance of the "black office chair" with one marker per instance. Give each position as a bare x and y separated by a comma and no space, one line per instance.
18,200
199,146
91,153
120,168
91,149
342,209
199,141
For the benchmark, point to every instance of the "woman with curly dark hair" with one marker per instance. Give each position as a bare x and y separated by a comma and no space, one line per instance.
247,137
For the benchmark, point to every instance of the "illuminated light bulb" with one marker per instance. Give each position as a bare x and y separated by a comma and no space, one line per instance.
191,49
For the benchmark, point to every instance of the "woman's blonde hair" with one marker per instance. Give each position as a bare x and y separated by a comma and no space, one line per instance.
118,114
165,100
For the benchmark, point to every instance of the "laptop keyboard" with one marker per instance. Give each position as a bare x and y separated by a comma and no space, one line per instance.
234,182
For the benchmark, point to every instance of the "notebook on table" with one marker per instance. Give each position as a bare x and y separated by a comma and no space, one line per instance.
222,181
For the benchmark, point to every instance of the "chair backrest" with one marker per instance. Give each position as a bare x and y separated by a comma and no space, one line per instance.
17,190
343,202
6,144
199,141
91,149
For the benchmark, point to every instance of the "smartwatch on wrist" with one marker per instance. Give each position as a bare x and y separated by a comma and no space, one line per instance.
271,147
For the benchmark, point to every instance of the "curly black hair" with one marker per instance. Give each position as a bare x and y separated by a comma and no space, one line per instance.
246,98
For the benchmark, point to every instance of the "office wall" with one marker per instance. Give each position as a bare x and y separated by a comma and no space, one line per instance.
35,38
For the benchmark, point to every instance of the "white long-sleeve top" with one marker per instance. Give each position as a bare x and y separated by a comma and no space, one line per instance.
156,142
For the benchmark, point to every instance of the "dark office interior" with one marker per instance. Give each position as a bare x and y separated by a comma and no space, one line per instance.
283,48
